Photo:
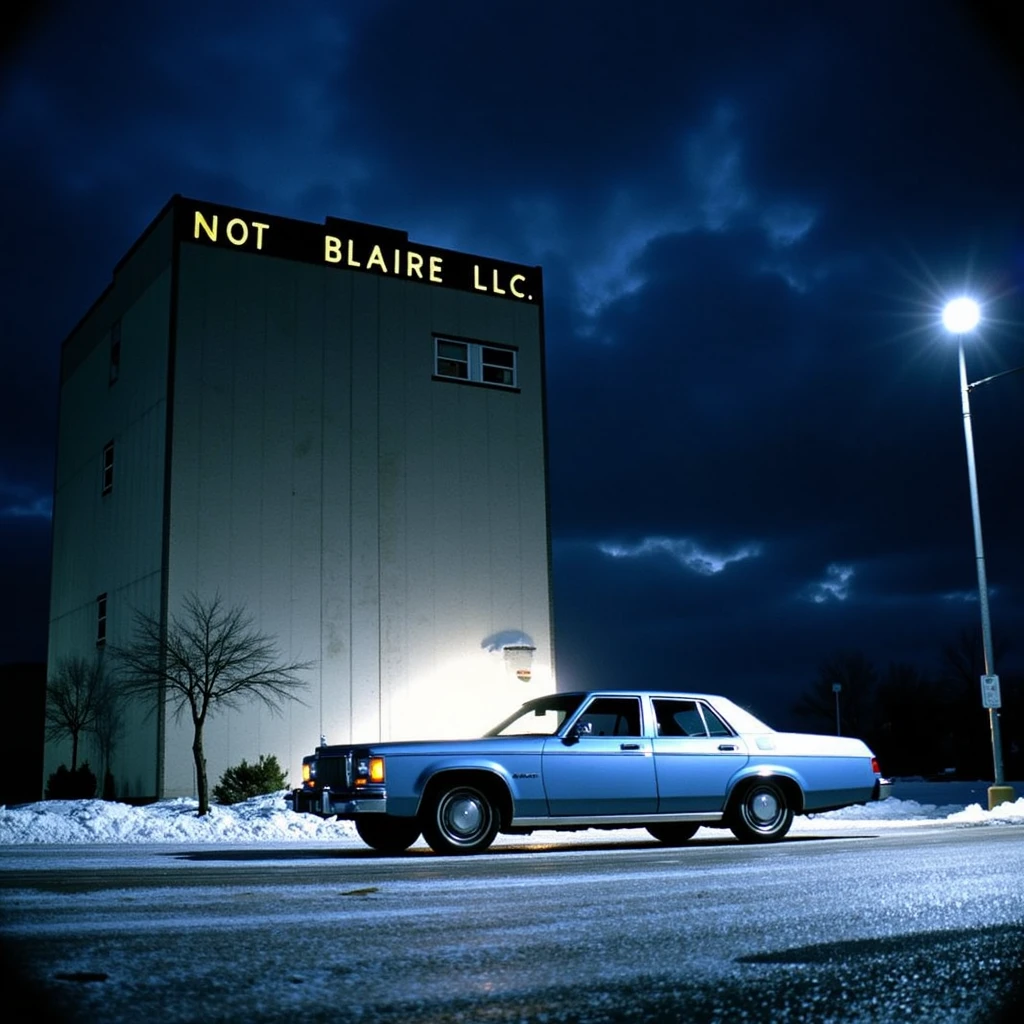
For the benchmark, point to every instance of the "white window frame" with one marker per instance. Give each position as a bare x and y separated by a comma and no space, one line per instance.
476,362
101,620
107,469
114,370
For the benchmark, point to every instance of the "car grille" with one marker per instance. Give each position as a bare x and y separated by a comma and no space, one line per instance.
331,772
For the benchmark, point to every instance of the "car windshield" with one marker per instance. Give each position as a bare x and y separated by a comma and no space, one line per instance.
541,717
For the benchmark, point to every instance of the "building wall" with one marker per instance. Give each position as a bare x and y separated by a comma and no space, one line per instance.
388,527
112,543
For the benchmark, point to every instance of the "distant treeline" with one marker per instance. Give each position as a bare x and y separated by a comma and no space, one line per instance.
920,724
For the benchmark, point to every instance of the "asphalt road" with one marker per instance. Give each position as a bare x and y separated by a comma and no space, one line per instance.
915,925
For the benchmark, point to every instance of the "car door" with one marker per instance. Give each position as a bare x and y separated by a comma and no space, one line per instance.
608,770
695,756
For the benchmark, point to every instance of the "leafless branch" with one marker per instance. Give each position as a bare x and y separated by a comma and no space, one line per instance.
211,657
74,698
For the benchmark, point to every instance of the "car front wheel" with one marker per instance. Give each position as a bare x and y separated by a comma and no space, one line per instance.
460,819
388,835
673,833
761,814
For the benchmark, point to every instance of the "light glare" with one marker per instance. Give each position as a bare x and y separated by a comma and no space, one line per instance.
961,315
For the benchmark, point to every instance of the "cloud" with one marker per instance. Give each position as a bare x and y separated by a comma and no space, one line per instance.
687,553
714,158
969,596
716,208
19,501
710,193
834,587
787,223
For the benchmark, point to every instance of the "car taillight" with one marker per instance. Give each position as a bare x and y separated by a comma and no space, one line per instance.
875,766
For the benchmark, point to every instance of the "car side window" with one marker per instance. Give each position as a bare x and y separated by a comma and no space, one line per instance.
610,716
716,727
678,718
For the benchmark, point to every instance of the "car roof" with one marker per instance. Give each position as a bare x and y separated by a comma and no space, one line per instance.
739,717
689,694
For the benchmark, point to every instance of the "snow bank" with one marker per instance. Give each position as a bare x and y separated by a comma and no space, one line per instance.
1007,814
267,819
263,818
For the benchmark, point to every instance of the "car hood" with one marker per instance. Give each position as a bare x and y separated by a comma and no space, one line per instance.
479,745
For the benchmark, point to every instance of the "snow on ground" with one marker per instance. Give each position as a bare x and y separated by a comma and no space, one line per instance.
265,819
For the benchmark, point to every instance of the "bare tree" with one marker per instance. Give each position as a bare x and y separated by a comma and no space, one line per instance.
857,678
967,726
107,727
73,696
208,659
964,661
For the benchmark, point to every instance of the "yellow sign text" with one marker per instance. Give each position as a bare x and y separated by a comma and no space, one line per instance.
236,230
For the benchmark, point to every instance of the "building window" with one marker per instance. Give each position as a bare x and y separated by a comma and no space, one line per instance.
108,467
115,352
498,366
475,362
101,620
452,359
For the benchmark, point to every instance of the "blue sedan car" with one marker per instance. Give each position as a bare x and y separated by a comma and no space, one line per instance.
667,762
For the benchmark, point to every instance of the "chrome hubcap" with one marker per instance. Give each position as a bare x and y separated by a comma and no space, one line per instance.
764,808
464,816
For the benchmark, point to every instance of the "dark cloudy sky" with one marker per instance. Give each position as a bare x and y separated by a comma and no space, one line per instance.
748,214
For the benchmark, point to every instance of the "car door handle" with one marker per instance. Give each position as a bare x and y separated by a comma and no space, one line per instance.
726,746
629,746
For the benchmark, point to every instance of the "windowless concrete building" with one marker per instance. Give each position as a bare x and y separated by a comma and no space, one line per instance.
340,430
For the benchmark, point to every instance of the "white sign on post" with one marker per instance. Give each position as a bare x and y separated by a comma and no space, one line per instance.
990,697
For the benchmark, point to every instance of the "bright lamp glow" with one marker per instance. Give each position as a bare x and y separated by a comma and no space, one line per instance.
961,315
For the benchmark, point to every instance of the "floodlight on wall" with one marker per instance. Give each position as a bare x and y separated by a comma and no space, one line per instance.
519,660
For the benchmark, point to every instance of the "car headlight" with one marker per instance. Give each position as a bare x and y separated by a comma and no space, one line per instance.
309,771
369,769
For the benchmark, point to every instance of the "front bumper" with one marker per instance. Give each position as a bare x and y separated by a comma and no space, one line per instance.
882,790
326,804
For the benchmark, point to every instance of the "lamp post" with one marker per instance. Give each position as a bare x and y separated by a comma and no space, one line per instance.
960,317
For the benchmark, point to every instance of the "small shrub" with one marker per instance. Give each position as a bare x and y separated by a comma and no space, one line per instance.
67,785
245,780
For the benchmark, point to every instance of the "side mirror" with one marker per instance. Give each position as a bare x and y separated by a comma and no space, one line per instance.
579,729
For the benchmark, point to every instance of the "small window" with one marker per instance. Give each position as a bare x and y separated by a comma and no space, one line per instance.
452,359
115,352
101,620
498,366
475,362
108,467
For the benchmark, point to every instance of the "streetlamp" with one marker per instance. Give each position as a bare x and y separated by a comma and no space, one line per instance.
960,317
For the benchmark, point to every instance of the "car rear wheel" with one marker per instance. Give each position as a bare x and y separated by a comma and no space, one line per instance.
673,833
762,813
388,835
460,819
